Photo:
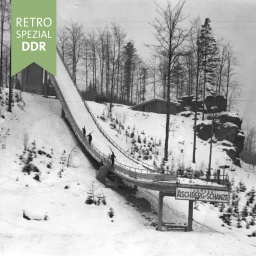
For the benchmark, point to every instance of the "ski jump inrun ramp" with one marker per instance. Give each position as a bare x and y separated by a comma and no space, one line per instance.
78,114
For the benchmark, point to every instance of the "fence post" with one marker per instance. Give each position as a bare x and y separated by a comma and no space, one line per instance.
160,211
190,215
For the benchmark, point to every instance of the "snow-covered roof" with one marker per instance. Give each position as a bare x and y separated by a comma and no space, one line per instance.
154,100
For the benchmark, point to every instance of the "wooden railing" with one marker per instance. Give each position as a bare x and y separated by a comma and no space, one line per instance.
146,165
129,171
91,149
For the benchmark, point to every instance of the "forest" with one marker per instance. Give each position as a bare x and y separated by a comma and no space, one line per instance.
187,59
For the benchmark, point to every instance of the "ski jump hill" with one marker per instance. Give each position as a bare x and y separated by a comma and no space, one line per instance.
78,115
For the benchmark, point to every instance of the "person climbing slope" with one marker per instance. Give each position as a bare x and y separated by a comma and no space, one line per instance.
113,158
89,138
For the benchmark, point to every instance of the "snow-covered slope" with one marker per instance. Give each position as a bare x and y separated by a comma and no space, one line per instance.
80,114
60,221
150,128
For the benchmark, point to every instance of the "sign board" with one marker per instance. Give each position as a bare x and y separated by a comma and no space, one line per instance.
206,195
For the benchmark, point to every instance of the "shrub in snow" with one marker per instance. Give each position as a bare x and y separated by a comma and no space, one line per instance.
253,234
226,218
37,177
242,187
253,211
181,171
49,165
189,172
252,222
102,117
145,157
222,207
60,173
111,212
90,197
245,211
101,199
238,225
30,157
230,209
247,225
30,168
251,195
198,174
41,152
236,210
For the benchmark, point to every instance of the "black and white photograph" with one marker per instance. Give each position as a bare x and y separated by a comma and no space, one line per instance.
143,143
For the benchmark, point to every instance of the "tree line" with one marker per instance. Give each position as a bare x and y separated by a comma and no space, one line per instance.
107,64
186,60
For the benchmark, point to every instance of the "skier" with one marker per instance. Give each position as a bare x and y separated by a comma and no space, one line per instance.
84,131
113,158
89,138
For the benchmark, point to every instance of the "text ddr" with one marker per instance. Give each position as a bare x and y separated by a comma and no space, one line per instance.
33,46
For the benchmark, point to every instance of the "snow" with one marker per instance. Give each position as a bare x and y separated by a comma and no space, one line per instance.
229,125
180,139
82,116
75,228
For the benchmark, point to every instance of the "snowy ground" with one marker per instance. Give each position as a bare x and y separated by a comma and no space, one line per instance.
60,221
150,127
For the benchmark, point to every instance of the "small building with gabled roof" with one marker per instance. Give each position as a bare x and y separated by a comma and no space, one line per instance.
156,106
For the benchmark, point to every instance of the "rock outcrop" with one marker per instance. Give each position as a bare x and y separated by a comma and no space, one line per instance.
227,128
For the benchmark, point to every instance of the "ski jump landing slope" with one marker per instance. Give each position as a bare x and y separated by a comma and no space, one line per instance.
78,116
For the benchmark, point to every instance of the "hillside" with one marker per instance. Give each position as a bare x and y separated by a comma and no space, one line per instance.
142,135
43,212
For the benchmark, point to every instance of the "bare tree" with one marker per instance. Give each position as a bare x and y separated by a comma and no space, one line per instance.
170,35
194,53
75,36
117,41
93,57
152,67
4,26
62,44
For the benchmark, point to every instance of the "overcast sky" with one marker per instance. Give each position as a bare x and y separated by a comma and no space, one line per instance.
235,20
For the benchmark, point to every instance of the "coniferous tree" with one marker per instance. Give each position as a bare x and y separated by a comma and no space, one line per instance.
252,222
208,59
129,56
253,211
245,212
238,222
